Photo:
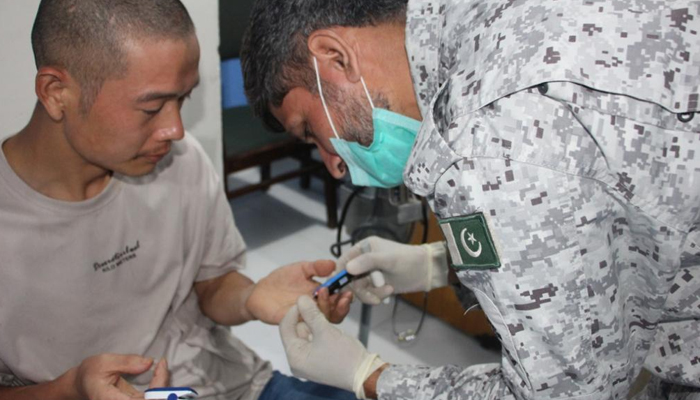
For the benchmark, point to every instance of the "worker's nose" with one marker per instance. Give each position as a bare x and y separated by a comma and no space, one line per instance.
334,164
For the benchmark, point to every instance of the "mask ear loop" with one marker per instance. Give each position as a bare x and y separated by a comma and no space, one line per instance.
367,92
323,100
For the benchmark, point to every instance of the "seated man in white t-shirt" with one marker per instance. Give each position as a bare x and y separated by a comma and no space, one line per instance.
118,245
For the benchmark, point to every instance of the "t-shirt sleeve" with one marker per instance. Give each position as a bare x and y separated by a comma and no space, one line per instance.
224,248
215,239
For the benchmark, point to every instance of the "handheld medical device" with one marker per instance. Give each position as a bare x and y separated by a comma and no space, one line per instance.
335,283
171,393
343,278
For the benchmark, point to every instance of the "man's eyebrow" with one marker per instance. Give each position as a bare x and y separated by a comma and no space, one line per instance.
145,98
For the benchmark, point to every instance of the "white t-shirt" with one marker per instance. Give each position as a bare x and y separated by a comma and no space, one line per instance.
115,274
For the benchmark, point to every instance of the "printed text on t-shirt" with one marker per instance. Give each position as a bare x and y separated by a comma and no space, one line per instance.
119,258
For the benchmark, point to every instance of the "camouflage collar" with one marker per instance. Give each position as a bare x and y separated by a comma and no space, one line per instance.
424,168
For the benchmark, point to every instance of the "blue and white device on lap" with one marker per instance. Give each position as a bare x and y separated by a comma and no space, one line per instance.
171,393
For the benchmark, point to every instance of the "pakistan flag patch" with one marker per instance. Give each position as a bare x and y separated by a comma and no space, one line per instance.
470,242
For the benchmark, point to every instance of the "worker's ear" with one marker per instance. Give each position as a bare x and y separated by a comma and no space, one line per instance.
337,58
54,89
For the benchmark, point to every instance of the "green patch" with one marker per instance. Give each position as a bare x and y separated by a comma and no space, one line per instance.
470,242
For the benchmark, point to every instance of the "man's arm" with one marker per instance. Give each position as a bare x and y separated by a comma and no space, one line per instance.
60,389
223,299
370,384
233,299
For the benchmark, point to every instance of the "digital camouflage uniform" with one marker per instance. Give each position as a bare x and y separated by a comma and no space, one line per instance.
558,150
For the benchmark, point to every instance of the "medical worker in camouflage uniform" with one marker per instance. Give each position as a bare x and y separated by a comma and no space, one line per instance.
558,150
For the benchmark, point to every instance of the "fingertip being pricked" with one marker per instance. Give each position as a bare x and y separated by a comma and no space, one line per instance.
324,267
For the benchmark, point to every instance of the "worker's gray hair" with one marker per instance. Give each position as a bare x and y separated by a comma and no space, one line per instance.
275,57
87,37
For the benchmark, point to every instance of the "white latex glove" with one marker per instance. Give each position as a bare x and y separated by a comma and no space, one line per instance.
404,268
320,352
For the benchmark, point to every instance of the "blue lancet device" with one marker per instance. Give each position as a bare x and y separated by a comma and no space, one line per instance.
336,282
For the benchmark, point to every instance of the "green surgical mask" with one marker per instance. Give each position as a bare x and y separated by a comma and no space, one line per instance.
382,163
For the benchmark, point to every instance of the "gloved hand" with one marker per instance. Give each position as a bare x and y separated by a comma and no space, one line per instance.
320,352
405,268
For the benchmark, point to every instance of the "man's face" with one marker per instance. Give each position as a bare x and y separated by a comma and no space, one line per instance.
135,118
302,115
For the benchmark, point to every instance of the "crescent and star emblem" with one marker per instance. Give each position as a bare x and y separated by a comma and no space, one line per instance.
474,253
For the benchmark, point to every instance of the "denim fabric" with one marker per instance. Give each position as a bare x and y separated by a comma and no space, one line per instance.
290,388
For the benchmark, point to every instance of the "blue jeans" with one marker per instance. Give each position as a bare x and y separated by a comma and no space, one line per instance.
290,388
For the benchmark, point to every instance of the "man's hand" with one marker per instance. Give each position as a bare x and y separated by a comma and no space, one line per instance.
100,377
405,268
321,352
96,378
275,294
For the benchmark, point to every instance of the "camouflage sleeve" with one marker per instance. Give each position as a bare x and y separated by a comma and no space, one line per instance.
578,190
675,353
656,388
478,382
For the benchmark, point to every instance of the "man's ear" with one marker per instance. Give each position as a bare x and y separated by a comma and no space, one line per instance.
336,56
52,86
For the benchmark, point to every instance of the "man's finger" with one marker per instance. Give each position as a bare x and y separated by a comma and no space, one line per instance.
127,364
161,375
125,390
324,301
112,393
342,308
349,295
323,267
345,293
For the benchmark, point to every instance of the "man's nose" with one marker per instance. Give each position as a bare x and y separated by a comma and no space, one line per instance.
334,164
172,129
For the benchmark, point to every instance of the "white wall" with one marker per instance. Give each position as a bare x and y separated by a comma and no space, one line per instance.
201,114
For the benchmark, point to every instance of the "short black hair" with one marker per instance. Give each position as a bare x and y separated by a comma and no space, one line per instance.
87,37
275,57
